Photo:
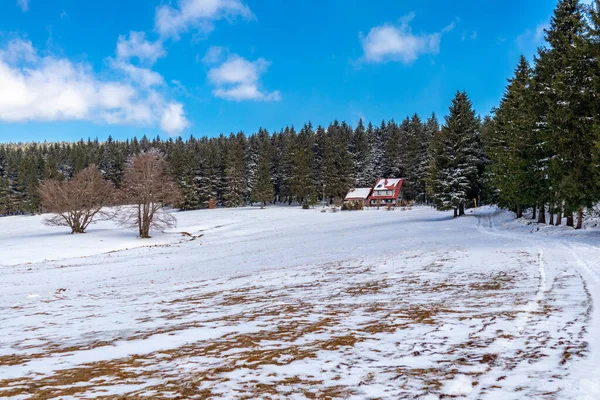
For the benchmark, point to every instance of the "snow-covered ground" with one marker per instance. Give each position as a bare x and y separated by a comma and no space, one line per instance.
290,303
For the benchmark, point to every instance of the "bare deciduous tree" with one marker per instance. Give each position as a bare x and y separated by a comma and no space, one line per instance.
76,202
147,189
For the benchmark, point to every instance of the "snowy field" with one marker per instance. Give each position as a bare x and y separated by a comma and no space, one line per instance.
290,303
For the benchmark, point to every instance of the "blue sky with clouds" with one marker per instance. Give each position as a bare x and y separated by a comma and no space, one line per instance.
73,69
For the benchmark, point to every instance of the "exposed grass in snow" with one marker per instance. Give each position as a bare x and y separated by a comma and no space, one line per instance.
402,304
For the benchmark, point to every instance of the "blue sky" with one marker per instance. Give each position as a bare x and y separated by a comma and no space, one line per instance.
73,69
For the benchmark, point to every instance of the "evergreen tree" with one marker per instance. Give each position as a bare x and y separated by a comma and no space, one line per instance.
415,141
262,190
393,163
570,70
302,184
430,131
363,166
456,151
235,174
510,171
376,150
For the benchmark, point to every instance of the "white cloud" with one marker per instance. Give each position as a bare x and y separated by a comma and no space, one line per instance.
449,27
143,76
173,119
34,88
24,4
213,55
246,92
19,51
398,43
136,45
237,70
238,79
197,14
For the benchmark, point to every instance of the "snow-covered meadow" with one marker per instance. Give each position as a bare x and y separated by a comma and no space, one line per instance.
290,303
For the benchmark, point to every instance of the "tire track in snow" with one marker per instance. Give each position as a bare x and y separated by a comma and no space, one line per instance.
587,370
590,270
587,385
490,378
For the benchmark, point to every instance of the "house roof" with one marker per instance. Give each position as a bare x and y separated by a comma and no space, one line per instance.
387,184
358,193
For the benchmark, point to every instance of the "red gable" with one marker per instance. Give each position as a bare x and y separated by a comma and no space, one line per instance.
385,184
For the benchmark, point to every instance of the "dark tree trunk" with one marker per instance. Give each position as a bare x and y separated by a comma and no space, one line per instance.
455,212
570,219
558,216
579,219
461,210
551,222
519,211
533,216
542,214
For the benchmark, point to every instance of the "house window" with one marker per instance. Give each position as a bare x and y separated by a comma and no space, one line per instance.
388,192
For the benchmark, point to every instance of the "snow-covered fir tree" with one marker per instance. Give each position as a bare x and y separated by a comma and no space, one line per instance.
454,171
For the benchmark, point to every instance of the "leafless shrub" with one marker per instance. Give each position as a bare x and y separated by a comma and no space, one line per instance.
146,190
77,202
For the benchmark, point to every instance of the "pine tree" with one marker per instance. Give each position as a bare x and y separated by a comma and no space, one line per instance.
208,173
430,131
363,166
376,150
510,171
302,184
454,166
563,81
235,174
393,163
593,45
413,186
262,190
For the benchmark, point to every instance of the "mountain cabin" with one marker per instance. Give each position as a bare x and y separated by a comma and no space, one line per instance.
386,192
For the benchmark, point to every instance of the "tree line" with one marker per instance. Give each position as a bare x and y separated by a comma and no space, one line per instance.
539,149
285,166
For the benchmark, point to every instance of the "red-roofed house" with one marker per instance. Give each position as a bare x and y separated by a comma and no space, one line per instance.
386,192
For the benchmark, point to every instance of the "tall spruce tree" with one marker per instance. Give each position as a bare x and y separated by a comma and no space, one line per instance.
302,184
262,190
563,82
510,170
455,158
363,167
235,172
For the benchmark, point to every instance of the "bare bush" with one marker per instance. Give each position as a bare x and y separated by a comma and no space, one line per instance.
76,202
146,190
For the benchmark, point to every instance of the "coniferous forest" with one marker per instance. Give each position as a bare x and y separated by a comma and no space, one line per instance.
539,149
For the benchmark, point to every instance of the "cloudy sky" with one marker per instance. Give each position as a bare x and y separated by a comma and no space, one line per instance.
73,69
